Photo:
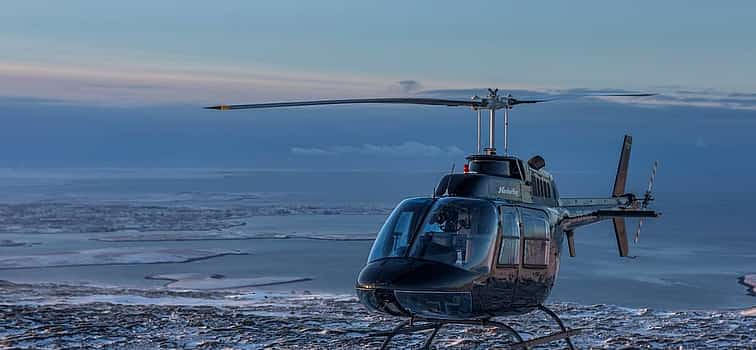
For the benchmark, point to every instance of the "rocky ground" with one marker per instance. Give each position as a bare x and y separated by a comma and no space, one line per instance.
55,316
750,282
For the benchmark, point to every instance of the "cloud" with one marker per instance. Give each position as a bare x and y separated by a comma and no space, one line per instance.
681,97
135,85
138,85
408,86
28,100
406,149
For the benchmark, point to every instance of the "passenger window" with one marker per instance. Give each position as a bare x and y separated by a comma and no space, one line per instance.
536,234
509,254
540,187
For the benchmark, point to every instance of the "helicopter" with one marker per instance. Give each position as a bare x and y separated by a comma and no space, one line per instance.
487,242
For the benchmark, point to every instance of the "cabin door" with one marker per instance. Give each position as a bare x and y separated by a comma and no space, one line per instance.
507,257
535,276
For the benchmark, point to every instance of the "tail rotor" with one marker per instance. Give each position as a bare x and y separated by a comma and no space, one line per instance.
647,198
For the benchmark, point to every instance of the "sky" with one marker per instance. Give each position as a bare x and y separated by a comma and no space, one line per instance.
116,87
138,52
120,84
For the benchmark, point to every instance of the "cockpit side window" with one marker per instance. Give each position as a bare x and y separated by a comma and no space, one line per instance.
395,235
536,229
509,253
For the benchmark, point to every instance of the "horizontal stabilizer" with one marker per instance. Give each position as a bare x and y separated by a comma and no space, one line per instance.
625,213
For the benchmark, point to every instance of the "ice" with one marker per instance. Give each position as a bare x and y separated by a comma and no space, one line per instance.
196,281
112,256
231,235
75,216
12,243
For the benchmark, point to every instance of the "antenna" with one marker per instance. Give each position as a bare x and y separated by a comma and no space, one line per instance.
448,182
506,128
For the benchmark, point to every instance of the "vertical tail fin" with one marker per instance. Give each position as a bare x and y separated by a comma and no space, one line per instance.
621,179
620,229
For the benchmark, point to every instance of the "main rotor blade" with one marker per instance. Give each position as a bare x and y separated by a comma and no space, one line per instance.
515,101
389,100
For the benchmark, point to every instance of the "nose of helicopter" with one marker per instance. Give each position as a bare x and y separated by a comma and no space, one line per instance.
406,286
414,274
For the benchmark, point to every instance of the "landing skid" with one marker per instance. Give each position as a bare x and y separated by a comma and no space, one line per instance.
415,325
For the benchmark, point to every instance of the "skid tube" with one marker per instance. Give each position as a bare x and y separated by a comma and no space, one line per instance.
411,326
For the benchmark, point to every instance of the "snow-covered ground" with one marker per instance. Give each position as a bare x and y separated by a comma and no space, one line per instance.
55,316
196,281
228,235
112,256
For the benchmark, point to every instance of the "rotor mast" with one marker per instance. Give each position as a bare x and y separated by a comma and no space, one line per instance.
491,149
493,102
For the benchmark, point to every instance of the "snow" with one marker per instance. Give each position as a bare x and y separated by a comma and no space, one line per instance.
231,235
112,256
114,318
193,281
12,243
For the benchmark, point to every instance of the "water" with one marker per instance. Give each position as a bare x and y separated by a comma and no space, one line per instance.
689,259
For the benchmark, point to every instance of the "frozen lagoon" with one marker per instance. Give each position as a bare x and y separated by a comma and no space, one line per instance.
318,247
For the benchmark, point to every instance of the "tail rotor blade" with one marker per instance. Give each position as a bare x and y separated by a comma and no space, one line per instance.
647,196
637,232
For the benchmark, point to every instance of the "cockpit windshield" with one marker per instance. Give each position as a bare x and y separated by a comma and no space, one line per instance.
457,231
395,235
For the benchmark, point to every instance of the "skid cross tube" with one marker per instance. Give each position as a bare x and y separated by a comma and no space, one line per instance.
409,327
556,318
564,333
412,326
